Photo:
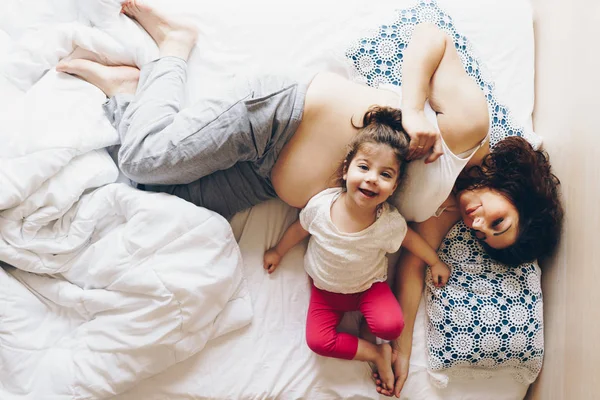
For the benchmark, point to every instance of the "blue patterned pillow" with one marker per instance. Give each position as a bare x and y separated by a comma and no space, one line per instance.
489,317
377,59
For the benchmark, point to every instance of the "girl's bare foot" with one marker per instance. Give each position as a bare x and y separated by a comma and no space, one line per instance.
111,80
384,365
174,37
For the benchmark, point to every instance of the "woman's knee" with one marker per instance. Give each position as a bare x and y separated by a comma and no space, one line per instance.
140,172
150,170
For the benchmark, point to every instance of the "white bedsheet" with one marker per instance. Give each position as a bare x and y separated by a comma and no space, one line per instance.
269,358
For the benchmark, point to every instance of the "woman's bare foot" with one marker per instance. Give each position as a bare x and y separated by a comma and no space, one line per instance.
173,37
81,53
111,80
384,365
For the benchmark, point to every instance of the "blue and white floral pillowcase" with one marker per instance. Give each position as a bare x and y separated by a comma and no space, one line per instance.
489,317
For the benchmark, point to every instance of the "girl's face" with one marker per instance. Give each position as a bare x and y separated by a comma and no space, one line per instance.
493,217
372,175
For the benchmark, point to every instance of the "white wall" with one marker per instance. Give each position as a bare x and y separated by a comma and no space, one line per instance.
567,115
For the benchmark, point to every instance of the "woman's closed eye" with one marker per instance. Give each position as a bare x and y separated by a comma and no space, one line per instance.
496,225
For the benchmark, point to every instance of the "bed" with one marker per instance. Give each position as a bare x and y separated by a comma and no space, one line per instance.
83,252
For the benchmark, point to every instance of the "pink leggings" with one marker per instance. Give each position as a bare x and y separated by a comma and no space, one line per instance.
378,304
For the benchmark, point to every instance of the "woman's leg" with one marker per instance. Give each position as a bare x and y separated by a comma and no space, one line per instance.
235,136
175,37
226,192
218,153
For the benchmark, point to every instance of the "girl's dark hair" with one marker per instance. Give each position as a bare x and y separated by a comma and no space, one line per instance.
523,175
380,125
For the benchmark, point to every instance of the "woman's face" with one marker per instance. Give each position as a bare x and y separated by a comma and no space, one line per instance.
493,217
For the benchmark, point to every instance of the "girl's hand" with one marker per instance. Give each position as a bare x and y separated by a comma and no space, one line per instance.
440,273
271,260
423,135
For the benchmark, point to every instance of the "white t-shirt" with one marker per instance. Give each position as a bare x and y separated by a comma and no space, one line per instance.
343,262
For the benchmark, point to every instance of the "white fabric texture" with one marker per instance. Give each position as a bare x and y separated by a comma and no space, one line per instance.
267,359
101,285
341,262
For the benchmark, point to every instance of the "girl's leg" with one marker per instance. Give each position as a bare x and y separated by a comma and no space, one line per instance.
382,311
324,314
384,318
321,327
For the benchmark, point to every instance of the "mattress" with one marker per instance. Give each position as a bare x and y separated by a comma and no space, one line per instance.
268,358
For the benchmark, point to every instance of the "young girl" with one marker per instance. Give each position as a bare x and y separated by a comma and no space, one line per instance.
352,228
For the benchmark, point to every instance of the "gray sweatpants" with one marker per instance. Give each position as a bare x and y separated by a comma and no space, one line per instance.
217,153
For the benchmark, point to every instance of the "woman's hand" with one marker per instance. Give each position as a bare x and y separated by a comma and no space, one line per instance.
440,273
271,260
423,135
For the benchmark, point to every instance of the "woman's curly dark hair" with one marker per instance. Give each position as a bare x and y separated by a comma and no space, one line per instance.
523,175
380,125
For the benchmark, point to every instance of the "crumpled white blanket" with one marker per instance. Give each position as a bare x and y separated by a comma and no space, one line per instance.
102,285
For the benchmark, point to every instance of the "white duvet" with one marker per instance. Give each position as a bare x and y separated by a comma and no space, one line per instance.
117,291
108,285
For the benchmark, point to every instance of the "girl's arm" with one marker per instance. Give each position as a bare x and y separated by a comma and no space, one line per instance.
292,236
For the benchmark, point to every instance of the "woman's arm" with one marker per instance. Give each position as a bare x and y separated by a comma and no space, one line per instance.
409,289
292,236
433,70
422,58
414,243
